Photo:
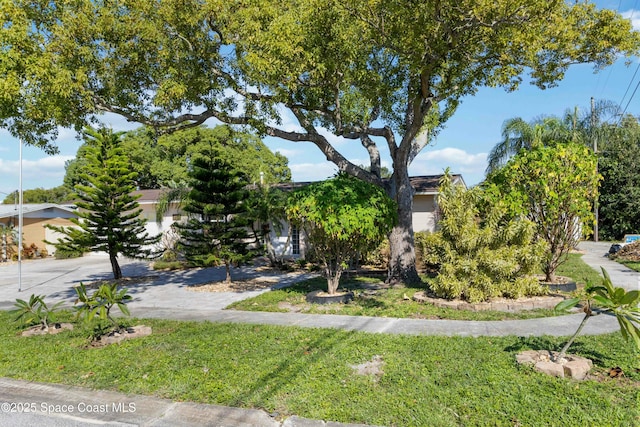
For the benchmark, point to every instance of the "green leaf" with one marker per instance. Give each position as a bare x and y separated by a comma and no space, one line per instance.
630,297
567,304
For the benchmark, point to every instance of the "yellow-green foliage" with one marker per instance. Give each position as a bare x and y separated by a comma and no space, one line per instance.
428,254
482,258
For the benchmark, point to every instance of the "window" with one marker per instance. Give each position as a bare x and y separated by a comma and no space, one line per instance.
295,240
177,217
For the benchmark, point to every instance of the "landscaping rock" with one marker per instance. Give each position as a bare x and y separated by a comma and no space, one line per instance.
550,368
577,369
497,304
51,330
544,361
126,334
321,297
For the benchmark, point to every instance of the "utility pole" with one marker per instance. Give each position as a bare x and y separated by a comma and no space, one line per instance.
594,140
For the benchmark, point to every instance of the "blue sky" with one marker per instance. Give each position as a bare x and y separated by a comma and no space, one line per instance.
463,145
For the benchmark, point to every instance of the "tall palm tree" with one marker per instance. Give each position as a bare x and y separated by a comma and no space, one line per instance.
518,134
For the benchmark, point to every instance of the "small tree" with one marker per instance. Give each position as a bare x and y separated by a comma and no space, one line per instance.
482,253
341,217
108,215
553,186
608,299
217,230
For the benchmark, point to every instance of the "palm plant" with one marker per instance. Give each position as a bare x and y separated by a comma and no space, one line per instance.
517,134
100,303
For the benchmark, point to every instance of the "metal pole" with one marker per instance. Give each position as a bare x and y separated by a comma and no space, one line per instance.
20,225
595,152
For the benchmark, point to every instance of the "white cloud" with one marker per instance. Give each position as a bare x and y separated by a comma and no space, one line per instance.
288,153
634,16
303,172
470,165
45,172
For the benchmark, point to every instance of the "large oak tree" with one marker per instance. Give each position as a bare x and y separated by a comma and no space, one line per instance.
374,71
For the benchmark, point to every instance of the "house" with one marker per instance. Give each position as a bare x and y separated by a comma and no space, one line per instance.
425,200
34,219
148,201
289,240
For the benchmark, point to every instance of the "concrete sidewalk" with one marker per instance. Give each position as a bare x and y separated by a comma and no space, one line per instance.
595,255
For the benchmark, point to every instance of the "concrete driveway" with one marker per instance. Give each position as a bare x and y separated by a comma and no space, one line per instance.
56,279
595,255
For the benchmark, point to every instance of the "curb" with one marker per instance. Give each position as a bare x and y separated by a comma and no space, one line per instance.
62,405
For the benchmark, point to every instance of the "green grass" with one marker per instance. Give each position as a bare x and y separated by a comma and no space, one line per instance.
634,265
580,272
392,302
426,381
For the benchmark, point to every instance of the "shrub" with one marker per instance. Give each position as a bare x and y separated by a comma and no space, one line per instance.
428,251
481,257
170,265
342,217
378,257
67,254
35,311
96,308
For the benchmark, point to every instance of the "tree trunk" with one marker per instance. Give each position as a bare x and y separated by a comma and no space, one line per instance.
115,267
333,272
402,262
227,266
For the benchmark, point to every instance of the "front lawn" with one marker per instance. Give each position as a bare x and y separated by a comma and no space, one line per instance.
386,302
423,381
394,302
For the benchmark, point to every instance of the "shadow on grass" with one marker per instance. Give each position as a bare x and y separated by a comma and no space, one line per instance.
286,372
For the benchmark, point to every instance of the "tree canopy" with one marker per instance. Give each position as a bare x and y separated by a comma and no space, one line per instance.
619,198
40,195
369,71
161,161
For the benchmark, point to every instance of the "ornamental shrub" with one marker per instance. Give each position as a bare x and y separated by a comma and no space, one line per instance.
482,253
341,217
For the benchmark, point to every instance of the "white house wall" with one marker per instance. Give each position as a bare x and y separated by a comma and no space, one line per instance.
152,226
279,243
424,213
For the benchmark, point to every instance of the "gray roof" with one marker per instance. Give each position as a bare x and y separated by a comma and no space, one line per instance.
429,184
37,210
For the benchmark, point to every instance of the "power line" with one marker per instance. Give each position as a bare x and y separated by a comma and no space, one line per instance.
627,106
629,85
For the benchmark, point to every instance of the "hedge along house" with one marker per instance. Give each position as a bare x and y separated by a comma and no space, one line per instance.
34,232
